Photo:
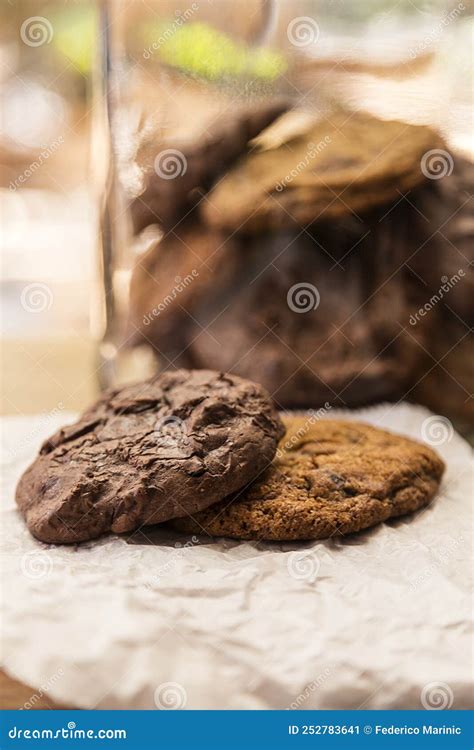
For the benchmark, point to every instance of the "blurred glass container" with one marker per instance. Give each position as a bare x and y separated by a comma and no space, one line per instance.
47,203
188,89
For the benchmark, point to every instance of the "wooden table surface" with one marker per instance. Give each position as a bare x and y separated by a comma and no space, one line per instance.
14,694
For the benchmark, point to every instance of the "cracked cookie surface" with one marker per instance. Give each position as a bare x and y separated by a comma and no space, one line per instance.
149,452
328,478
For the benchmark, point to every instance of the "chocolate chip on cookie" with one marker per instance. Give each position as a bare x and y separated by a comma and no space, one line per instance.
149,452
329,478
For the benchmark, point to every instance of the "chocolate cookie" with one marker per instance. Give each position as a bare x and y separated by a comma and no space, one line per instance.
149,452
329,478
236,307
350,162
197,165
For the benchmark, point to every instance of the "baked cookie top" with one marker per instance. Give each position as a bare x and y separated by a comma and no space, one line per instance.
329,478
349,162
202,161
148,452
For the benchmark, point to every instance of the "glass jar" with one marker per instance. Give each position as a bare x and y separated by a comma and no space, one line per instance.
47,205
286,197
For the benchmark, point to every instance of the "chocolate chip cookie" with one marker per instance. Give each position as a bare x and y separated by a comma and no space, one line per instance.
348,163
329,478
149,452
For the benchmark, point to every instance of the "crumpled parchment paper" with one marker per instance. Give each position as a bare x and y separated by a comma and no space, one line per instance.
381,619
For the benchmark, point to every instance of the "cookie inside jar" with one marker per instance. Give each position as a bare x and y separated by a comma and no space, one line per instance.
297,250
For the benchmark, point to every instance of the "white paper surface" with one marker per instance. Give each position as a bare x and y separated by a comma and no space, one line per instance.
381,619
